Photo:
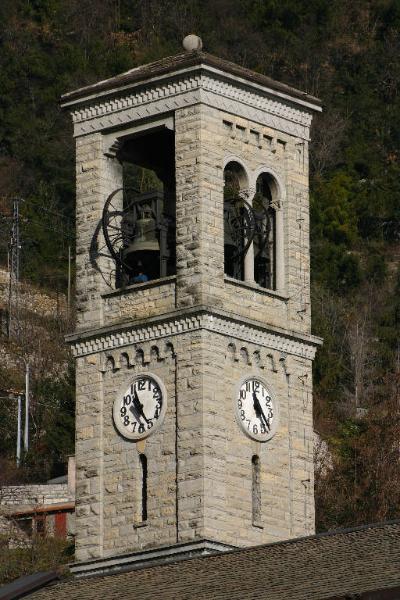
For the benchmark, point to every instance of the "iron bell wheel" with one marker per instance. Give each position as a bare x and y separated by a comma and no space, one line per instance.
114,225
239,226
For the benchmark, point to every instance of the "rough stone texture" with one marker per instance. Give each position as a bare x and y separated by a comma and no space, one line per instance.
143,301
96,177
203,146
199,461
35,494
27,498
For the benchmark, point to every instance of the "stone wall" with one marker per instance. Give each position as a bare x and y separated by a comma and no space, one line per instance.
96,177
206,140
35,494
140,301
199,462
286,461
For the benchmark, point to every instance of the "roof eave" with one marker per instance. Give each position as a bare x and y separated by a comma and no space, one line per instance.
194,62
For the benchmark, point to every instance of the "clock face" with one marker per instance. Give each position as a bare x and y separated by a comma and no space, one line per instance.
256,409
140,409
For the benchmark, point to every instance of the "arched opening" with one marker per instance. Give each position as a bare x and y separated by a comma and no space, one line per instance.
256,490
139,218
143,496
235,220
264,242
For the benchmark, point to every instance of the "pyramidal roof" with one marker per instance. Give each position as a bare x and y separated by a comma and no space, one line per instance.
181,63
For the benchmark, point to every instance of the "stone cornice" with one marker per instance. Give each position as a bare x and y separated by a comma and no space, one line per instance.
231,94
195,319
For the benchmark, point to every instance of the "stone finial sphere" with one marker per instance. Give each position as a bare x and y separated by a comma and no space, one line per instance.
192,42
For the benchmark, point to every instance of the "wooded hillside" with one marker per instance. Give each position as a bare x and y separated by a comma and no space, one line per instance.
346,53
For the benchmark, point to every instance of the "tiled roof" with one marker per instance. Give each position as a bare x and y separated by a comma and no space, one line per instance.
317,567
184,61
43,508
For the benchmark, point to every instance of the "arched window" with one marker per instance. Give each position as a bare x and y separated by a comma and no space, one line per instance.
264,242
235,180
143,490
256,490
253,229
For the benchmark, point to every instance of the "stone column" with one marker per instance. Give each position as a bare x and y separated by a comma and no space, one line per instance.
199,208
248,195
97,176
279,251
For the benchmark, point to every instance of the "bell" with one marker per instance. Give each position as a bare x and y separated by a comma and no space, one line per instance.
145,239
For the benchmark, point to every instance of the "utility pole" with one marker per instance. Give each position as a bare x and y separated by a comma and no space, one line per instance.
26,430
19,431
69,283
14,253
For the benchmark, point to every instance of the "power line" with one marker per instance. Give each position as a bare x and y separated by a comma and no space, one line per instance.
65,233
52,212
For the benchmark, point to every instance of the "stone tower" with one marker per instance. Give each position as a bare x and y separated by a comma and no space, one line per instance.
218,335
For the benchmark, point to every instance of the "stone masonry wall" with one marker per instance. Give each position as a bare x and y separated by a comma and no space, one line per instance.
205,139
34,494
287,503
258,149
199,246
199,461
140,302
96,177
121,506
108,473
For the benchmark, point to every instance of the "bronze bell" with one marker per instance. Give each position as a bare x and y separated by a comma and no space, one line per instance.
145,239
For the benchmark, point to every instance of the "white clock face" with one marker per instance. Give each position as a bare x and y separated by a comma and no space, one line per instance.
140,409
256,409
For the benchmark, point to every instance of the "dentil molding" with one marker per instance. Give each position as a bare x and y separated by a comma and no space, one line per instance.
292,344
154,99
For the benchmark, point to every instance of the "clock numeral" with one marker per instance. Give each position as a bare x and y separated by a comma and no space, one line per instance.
123,411
141,384
157,413
263,430
255,429
127,400
156,394
149,423
243,394
141,428
242,415
134,426
256,386
126,420
248,386
248,423
240,403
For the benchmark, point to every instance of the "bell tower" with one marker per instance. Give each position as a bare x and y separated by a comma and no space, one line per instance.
193,343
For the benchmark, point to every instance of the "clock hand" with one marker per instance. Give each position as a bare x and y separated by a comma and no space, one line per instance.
139,406
259,411
135,412
135,408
